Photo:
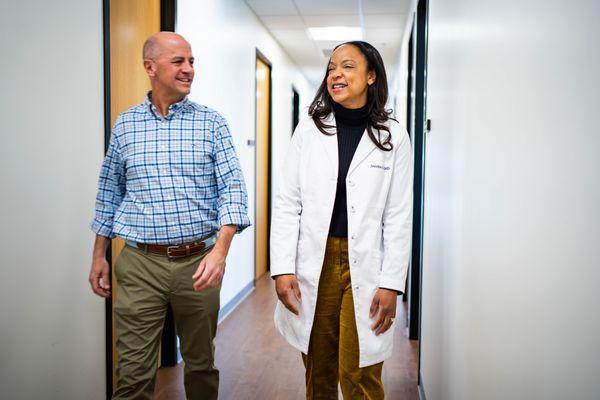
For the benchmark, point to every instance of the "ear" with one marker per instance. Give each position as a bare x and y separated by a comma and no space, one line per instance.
149,67
371,77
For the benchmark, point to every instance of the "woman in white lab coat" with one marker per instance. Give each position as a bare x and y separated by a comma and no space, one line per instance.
341,229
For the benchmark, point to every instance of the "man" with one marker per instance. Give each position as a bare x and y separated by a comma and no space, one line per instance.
169,181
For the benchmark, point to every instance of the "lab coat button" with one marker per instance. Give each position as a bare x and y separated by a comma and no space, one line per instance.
353,236
352,209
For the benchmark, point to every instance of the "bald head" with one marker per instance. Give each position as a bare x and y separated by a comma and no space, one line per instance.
155,45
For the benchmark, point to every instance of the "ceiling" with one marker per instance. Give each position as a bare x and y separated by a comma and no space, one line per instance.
383,23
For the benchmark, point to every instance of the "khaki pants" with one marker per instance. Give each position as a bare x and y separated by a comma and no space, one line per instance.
147,283
333,349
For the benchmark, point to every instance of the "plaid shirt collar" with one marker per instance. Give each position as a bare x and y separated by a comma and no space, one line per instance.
174,108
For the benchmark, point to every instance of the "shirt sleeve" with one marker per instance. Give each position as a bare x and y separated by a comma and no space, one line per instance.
232,203
111,188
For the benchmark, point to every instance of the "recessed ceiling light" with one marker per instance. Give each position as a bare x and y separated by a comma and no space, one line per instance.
336,33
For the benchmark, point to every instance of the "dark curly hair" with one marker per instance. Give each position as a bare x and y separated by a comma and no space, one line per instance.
377,95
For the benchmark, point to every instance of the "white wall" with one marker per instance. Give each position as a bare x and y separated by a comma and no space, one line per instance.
224,35
51,103
510,274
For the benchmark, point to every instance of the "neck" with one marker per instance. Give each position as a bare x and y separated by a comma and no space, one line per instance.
355,103
350,117
162,101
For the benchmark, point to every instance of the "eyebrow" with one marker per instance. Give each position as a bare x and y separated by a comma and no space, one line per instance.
343,61
181,58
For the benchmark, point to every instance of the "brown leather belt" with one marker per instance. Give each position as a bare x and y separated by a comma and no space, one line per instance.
178,251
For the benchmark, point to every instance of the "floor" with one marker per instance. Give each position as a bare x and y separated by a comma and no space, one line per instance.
256,363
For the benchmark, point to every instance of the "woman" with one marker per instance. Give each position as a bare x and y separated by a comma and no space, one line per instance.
341,229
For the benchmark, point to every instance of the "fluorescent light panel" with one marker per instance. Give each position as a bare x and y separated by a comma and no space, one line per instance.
336,33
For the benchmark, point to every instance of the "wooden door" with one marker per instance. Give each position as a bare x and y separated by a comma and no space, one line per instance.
263,119
131,22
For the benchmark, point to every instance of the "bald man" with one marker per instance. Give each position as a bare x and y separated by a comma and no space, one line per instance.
171,186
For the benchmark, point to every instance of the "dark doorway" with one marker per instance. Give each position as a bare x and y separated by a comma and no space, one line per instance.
295,109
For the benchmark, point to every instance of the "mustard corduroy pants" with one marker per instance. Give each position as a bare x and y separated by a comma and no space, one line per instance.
333,350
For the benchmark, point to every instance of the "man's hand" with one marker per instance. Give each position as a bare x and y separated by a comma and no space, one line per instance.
99,277
287,289
383,307
212,267
210,271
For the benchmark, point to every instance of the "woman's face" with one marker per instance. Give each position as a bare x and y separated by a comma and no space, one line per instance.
348,77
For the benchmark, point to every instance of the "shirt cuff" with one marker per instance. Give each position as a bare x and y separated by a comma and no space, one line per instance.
234,216
276,275
391,284
398,292
103,228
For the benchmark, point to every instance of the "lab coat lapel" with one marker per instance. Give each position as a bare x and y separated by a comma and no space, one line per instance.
330,143
365,147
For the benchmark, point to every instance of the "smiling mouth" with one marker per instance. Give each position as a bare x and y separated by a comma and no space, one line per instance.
338,86
185,80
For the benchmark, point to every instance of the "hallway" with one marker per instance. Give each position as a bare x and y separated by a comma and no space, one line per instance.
256,363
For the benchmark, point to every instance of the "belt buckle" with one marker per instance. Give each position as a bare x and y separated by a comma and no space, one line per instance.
169,255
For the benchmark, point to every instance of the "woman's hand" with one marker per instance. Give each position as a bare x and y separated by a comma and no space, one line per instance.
287,288
384,307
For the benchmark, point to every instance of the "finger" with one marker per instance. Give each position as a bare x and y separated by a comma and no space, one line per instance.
379,320
200,269
297,293
384,326
203,279
215,280
105,280
374,305
95,284
99,291
289,303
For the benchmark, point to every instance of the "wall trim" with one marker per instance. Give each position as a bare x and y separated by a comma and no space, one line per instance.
421,388
236,301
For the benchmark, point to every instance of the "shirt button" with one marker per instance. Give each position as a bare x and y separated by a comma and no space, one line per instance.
352,209
354,261
353,236
351,183
163,147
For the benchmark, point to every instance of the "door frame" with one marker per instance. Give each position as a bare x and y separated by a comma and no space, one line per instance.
168,14
420,28
260,56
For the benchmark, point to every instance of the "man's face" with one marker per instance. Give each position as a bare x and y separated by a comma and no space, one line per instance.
171,70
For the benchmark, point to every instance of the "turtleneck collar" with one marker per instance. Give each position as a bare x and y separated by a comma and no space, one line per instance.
350,117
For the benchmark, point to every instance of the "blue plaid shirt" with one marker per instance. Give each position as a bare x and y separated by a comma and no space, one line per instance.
169,180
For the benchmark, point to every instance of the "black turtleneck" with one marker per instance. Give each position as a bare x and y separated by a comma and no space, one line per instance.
350,124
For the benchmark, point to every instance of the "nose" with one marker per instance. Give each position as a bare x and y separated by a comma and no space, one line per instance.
187,67
335,73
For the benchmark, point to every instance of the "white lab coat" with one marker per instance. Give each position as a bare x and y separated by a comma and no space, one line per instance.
379,199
